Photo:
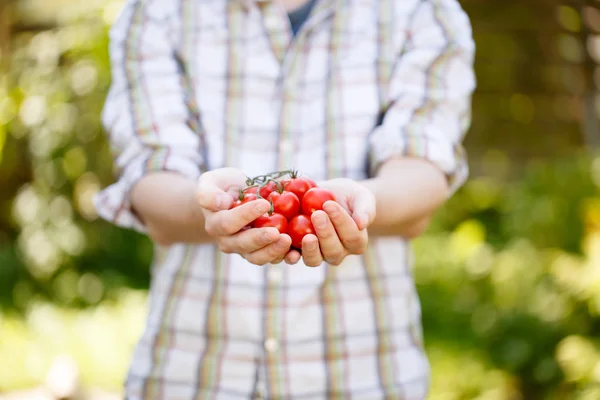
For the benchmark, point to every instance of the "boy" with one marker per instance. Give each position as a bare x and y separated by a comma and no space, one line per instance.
371,98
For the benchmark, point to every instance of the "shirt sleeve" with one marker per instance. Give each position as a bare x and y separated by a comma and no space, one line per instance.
429,93
147,114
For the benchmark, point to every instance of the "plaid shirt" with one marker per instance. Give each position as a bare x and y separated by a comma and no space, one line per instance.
202,84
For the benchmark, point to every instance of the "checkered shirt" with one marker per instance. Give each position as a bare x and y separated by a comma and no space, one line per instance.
202,84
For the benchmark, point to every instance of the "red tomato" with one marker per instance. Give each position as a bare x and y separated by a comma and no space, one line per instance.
286,204
266,190
274,220
249,197
314,199
251,190
310,182
243,199
235,204
298,186
298,227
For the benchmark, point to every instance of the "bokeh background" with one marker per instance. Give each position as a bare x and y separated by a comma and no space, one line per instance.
509,272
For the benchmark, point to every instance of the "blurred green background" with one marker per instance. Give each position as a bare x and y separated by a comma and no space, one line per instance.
509,272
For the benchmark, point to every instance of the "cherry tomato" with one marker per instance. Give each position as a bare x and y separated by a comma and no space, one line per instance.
274,220
298,186
298,227
269,188
235,204
243,199
311,183
314,199
251,190
249,197
286,204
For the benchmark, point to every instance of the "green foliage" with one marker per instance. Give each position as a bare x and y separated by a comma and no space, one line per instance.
509,272
53,160
546,204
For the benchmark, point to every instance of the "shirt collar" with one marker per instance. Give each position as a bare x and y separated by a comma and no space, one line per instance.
321,4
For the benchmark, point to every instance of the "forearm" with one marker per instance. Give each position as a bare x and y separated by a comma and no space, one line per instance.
166,204
408,192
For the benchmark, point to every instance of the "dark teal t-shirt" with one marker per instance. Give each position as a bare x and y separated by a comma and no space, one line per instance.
299,16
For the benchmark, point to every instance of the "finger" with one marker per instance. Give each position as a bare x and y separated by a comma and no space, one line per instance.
216,189
282,258
332,249
230,222
311,253
353,239
214,199
364,208
271,252
248,241
292,257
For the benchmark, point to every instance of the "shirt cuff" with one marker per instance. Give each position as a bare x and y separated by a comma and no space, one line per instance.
438,150
114,203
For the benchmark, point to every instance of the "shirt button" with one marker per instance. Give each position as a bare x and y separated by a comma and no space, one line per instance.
271,345
275,274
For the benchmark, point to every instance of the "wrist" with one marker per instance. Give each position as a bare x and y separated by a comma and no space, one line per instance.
194,211
166,203
373,185
408,192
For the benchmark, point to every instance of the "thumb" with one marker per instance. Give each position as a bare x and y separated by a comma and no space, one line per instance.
215,188
363,208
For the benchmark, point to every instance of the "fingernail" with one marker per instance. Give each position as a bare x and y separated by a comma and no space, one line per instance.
261,209
312,245
320,221
223,201
331,209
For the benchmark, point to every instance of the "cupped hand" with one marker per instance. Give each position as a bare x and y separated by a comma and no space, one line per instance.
341,228
217,190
